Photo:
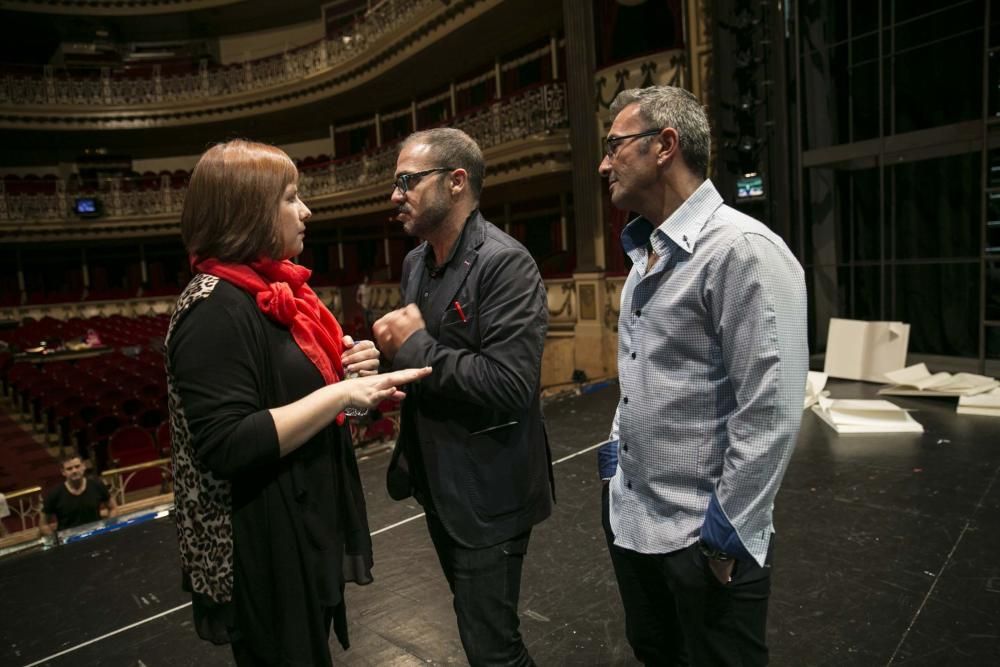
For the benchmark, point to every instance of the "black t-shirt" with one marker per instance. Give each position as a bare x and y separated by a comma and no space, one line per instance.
71,510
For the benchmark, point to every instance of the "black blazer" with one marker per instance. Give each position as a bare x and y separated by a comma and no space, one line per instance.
477,418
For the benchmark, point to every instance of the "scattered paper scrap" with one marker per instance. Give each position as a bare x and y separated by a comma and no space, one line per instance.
814,388
987,404
863,416
916,380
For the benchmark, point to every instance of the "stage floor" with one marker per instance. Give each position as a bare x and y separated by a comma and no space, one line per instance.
886,554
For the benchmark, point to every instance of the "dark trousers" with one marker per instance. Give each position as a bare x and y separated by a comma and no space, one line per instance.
486,584
245,656
677,612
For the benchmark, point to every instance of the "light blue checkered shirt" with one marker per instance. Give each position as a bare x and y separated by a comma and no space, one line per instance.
712,362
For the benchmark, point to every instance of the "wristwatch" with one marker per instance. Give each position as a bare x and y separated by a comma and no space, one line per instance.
712,553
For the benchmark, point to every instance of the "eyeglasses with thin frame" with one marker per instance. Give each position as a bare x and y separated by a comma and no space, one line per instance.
404,182
612,144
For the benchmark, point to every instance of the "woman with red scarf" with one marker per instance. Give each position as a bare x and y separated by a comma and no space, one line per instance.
270,511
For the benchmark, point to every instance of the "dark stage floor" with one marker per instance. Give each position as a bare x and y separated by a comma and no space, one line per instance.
887,553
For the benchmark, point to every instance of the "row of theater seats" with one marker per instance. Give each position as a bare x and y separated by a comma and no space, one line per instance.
113,330
33,184
321,161
111,407
89,67
36,297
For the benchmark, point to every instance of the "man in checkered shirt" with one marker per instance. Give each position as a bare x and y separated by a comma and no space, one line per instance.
712,359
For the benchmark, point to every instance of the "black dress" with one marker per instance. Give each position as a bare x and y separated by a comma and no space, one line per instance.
299,528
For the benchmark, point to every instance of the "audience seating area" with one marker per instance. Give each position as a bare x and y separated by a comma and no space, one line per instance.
132,181
86,398
47,184
107,401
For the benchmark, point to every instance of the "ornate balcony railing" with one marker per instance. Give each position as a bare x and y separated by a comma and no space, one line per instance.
117,479
46,88
537,110
26,506
534,111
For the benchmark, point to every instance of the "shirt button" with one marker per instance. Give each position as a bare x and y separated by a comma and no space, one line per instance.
638,313
629,484
425,294
633,355
625,400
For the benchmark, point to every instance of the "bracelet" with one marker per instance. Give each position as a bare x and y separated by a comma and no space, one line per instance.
712,553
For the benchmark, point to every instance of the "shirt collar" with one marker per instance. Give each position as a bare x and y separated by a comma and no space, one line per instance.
435,269
680,230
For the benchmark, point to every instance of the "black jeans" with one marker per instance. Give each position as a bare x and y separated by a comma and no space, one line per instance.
677,612
486,584
245,657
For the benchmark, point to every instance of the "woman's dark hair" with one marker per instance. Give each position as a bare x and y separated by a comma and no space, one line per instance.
231,207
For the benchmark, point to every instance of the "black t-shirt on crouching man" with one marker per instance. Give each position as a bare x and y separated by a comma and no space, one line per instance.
74,510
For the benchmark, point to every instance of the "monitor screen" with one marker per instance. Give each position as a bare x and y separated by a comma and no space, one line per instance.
87,207
750,186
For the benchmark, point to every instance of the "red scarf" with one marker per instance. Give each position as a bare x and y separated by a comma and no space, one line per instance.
283,295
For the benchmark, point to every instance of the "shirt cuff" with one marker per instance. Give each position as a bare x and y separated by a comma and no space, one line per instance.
607,459
718,533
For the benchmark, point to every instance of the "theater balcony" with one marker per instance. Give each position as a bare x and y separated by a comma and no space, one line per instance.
114,7
523,135
372,58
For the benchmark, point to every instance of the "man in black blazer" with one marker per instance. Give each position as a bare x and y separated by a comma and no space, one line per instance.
472,447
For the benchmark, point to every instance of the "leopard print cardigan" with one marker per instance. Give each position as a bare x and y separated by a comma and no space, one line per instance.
202,502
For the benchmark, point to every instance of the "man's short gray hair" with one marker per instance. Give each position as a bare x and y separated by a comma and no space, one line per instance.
669,106
453,148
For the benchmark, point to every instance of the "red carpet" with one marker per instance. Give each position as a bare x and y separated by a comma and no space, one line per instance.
24,461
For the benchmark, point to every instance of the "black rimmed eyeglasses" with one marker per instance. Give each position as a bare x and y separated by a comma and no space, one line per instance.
611,144
404,182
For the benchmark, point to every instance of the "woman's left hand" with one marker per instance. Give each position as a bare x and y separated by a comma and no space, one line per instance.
361,357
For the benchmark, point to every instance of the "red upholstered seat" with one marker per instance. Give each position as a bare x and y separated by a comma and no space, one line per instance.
150,418
130,445
131,407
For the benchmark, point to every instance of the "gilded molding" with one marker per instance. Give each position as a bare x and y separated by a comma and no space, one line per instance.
561,297
666,68
613,286
111,7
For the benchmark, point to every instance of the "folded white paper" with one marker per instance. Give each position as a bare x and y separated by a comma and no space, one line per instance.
863,416
814,388
987,404
860,350
916,380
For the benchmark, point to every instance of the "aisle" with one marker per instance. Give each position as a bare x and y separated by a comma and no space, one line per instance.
24,461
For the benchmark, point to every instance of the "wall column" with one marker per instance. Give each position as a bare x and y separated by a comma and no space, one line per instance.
590,337
20,279
496,78
583,130
554,55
